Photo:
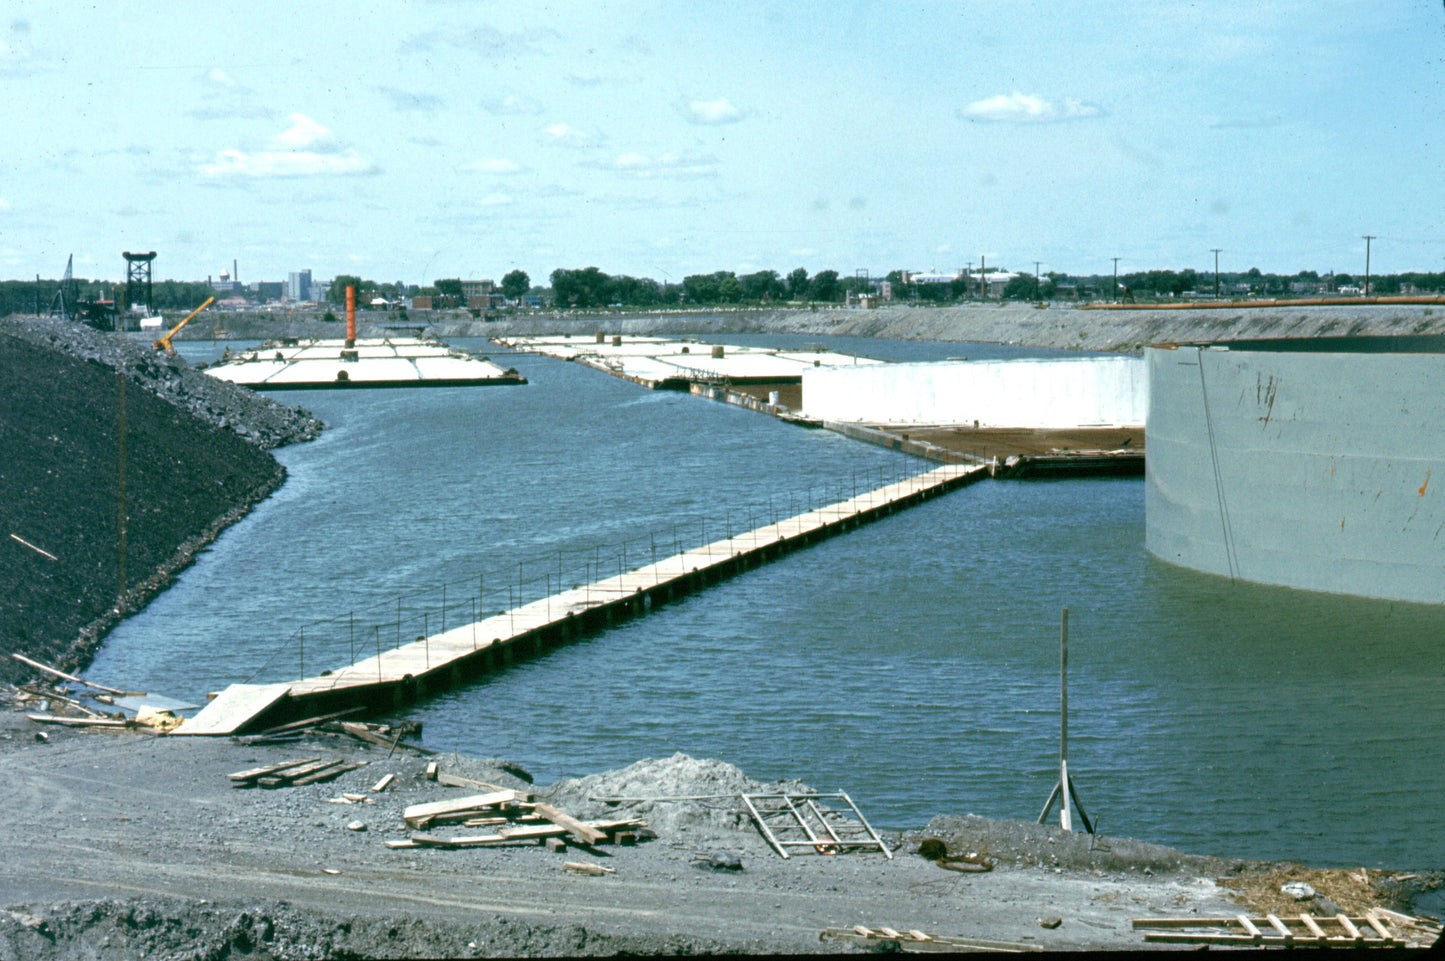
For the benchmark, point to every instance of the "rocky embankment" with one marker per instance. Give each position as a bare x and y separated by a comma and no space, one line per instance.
94,428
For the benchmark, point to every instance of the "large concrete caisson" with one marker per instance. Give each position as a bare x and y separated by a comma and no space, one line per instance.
1315,463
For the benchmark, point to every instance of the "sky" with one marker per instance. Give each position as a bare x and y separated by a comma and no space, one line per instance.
410,141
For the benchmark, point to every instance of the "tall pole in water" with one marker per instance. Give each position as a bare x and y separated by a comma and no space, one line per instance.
1368,238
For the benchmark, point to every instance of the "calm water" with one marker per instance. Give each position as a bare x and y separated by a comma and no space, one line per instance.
912,663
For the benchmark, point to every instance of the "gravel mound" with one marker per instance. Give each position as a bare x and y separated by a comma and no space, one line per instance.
256,419
715,785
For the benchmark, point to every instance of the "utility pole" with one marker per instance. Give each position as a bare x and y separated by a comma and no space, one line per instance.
1038,291
967,279
982,278
1368,238
1216,271
1116,278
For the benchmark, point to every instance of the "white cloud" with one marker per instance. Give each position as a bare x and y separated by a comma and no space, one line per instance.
1027,108
305,149
496,200
712,112
493,165
4,204
563,135
303,132
666,166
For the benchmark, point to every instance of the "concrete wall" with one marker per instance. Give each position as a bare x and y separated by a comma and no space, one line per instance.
1305,469
1069,392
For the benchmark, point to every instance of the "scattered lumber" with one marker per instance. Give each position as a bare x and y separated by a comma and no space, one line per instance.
363,733
1373,929
578,830
76,721
383,784
596,870
914,940
53,696
473,805
328,774
302,725
71,677
255,772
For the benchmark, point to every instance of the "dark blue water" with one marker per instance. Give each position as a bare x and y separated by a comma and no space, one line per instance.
912,663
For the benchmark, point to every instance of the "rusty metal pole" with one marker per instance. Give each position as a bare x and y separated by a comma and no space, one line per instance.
350,315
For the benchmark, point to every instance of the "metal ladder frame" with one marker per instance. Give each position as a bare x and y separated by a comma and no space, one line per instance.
815,841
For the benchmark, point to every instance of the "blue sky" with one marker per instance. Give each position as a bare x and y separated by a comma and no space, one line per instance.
411,141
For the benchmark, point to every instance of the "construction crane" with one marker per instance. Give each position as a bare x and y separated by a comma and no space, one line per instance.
165,342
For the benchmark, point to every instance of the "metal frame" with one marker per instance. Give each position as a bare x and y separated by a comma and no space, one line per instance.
824,831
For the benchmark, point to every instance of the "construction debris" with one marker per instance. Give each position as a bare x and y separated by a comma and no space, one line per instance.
383,784
1375,928
914,940
312,770
596,870
513,817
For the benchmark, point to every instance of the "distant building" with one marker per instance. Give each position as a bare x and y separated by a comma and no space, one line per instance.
298,285
270,290
421,302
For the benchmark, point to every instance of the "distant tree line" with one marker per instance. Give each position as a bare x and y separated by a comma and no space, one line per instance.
589,287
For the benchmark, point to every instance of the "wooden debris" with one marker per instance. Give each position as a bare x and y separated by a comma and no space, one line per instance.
70,702
255,772
328,774
431,771
71,677
596,870
914,940
576,828
356,826
1376,928
308,722
362,733
472,805
383,784
76,721
556,845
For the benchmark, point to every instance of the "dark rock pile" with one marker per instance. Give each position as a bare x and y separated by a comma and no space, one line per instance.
181,460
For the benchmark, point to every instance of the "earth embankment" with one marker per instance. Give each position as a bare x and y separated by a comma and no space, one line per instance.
117,464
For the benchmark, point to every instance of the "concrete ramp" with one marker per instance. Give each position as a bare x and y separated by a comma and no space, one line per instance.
233,709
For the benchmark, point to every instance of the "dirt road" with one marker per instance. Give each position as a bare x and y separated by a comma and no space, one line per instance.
154,824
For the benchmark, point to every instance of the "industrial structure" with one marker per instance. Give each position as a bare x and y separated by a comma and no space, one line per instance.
1306,463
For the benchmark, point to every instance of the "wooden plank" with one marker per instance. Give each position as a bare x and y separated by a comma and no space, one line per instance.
451,780
473,802
1278,925
304,770
383,784
255,772
328,774
52,696
1249,927
308,722
574,827
360,732
71,677
76,721
1380,929
1349,927
233,709
1315,929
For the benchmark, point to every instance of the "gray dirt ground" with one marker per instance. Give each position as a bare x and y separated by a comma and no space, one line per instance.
119,844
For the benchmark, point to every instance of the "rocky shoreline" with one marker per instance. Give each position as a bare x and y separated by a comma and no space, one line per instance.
91,424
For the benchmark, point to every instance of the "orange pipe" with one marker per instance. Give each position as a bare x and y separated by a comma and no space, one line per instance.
350,315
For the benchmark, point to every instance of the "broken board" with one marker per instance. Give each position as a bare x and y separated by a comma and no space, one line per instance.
234,708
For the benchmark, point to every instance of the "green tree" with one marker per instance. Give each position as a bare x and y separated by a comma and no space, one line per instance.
337,293
515,284
588,287
824,286
763,286
1022,287
798,284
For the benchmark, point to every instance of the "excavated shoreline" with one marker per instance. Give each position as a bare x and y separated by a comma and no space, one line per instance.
94,428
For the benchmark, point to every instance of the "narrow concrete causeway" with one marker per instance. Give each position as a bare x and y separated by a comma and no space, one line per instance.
440,661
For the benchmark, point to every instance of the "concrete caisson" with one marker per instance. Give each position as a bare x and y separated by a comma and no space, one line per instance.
1316,464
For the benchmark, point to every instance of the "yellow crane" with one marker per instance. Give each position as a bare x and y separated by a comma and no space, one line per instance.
165,342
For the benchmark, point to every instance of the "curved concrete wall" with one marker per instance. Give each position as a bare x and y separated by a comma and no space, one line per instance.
1316,467
1069,392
